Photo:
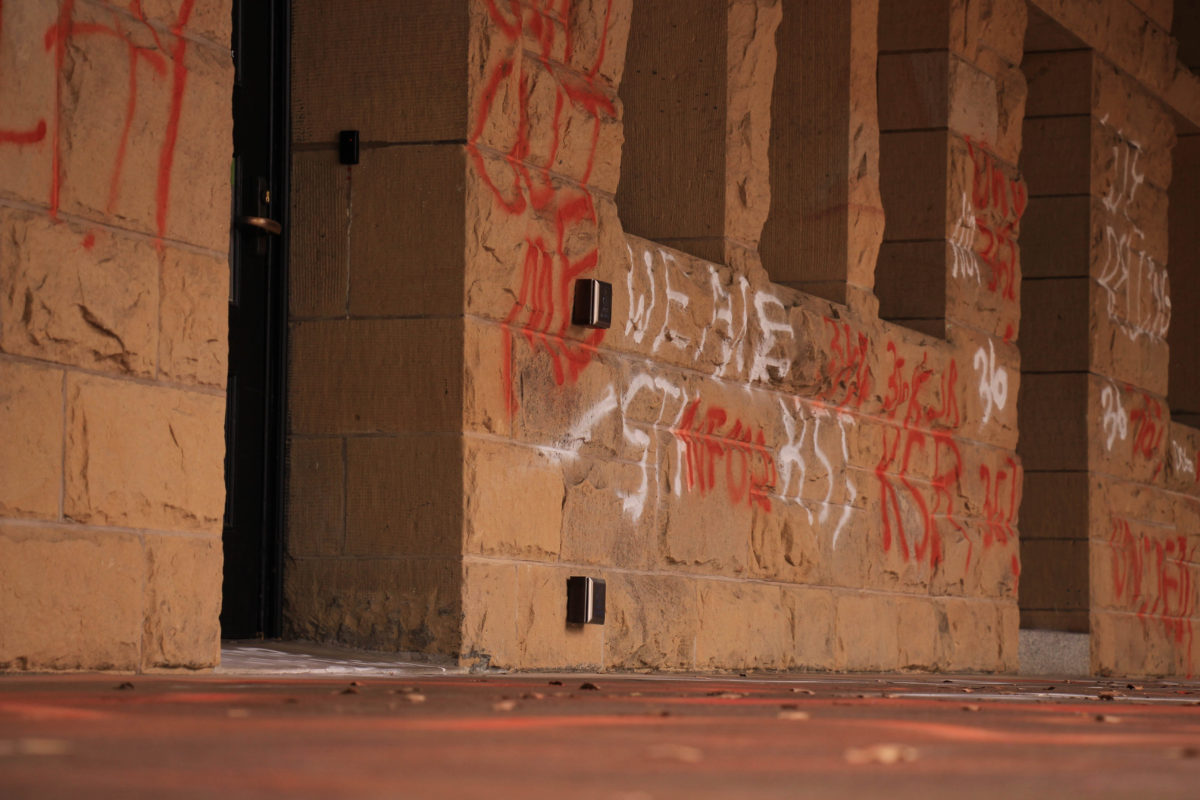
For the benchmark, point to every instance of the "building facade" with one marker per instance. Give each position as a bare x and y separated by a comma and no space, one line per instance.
902,356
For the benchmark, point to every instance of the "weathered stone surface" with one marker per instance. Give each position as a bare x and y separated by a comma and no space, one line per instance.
404,496
650,622
398,605
316,497
489,609
194,319
27,97
144,456
70,598
183,602
513,501
742,627
94,307
175,116
867,632
31,461
210,19
544,638
812,616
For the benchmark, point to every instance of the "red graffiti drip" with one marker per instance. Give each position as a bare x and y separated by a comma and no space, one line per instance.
750,474
541,311
848,372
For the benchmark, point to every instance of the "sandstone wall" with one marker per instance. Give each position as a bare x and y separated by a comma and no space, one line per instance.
115,141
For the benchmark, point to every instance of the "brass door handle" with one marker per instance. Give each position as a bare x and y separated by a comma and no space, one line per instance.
262,223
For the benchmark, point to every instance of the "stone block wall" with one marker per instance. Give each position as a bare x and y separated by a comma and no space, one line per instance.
115,141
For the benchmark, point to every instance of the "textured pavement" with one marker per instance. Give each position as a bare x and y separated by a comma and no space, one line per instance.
410,732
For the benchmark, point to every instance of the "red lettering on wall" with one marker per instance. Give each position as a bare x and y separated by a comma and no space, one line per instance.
999,202
1151,576
20,136
749,474
932,499
998,527
541,311
847,371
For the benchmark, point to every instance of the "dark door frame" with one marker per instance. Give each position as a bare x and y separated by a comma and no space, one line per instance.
266,619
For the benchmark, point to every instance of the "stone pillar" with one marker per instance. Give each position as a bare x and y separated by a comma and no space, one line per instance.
115,143
374,509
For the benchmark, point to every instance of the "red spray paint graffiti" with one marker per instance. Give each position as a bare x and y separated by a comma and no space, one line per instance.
848,371
541,311
932,499
1000,203
1148,429
56,40
1151,576
998,528
749,467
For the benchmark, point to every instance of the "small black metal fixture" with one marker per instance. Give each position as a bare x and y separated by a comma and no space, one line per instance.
593,303
348,147
585,601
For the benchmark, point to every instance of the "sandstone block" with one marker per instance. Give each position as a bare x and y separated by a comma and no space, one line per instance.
514,501
94,308
489,607
209,19
1125,644
977,635
486,367
812,614
608,512
89,617
867,632
27,97
918,633
745,626
183,603
376,376
101,141
318,259
406,241
651,622
404,496
354,77
792,543
316,492
144,456
544,638
599,31
193,344
31,462
394,605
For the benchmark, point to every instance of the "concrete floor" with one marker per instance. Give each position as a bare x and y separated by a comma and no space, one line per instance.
324,724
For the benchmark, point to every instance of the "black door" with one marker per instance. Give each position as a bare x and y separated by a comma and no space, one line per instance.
257,323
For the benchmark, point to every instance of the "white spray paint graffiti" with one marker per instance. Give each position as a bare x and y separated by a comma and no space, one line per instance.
640,307
993,381
1180,460
962,243
1115,420
732,349
771,331
793,467
1137,287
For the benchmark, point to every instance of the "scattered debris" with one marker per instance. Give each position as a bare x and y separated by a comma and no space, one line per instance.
414,697
588,686
967,690
1107,718
794,715
727,695
504,705
970,707
803,691
351,689
533,696
1134,687
881,754
556,683
238,713
125,685
405,690
677,752
1107,695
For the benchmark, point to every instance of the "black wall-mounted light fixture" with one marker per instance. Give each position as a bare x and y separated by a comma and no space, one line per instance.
585,601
